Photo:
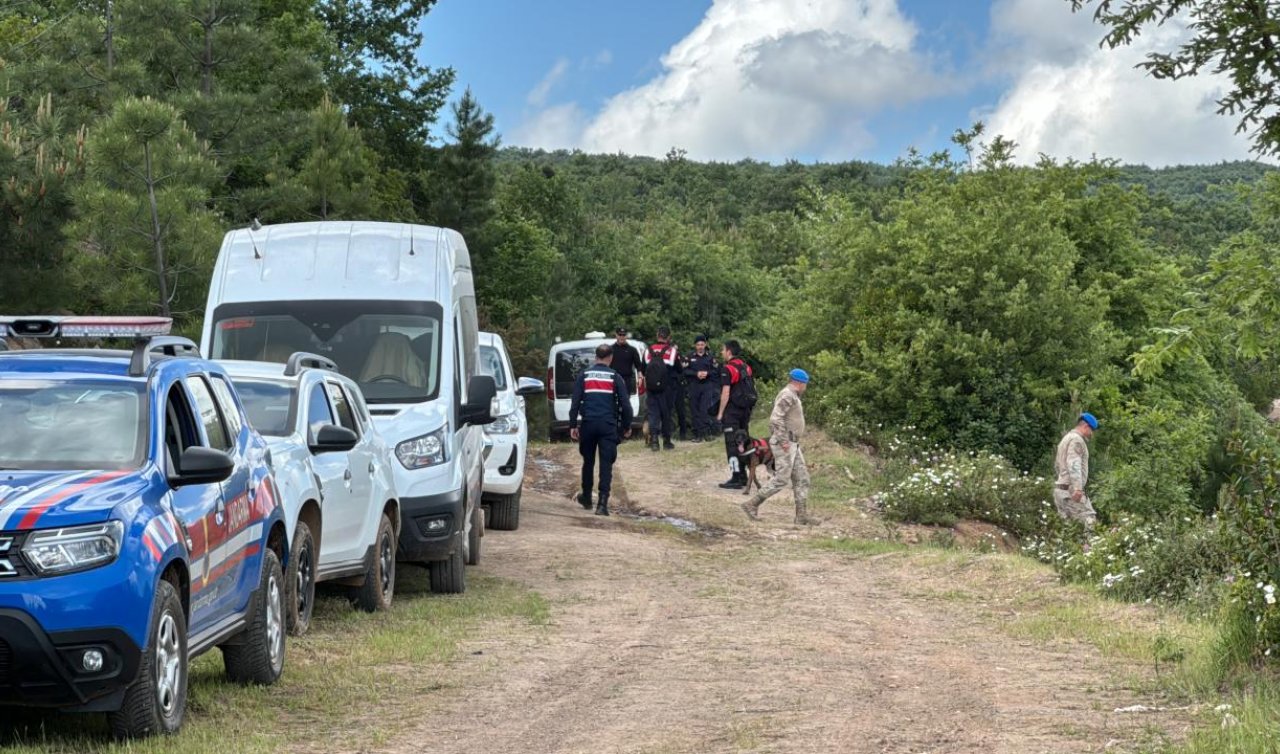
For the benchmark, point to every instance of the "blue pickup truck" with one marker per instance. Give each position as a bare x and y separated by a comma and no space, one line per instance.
139,525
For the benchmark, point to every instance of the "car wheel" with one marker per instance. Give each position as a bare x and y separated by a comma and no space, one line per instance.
301,579
475,536
156,701
449,576
258,654
504,512
380,577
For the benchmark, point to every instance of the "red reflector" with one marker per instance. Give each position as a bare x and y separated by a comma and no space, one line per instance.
235,324
551,385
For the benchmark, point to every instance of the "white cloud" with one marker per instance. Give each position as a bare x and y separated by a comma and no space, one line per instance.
538,94
768,79
556,127
604,58
1070,98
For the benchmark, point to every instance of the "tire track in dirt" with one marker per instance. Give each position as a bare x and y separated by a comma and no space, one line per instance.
662,643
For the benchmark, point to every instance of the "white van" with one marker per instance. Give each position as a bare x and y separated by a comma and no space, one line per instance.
393,305
566,360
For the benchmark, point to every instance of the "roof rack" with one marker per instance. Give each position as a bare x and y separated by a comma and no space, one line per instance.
84,327
146,351
303,360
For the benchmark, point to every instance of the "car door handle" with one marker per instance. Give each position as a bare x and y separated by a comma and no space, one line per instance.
371,468
346,475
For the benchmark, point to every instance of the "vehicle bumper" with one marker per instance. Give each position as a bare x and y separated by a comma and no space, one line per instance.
419,540
504,469
39,669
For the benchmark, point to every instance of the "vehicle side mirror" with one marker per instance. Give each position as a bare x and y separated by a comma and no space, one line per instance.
334,439
530,386
200,465
481,390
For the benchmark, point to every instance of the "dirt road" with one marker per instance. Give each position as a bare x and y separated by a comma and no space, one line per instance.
762,637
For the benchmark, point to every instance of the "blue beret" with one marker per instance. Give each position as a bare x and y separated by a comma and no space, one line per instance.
799,375
1089,419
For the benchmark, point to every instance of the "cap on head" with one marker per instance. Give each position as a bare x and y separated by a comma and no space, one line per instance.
799,375
620,331
700,339
1089,419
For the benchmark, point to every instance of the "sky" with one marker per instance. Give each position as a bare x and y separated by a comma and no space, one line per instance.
822,80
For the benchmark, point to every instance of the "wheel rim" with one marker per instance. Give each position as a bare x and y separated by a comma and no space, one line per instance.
275,627
388,565
168,663
306,573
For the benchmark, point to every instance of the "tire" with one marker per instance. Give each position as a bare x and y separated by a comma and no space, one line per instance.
380,577
449,576
156,701
475,536
257,657
504,513
301,579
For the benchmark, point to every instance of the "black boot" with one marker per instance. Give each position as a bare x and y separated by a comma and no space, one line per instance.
734,482
602,507
584,499
668,445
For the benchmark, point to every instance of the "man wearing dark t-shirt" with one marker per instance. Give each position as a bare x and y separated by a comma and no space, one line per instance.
626,360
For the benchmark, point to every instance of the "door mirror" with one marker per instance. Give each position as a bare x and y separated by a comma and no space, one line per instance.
334,439
530,386
200,465
481,390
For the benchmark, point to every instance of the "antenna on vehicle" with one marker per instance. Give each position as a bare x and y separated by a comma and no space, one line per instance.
254,225
410,240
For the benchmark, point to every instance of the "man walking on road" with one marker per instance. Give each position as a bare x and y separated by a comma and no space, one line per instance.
600,396
660,389
626,359
786,427
1072,466
737,399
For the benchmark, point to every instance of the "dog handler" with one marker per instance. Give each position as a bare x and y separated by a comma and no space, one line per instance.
786,427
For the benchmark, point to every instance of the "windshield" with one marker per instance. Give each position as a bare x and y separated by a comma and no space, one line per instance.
391,348
268,404
491,364
73,425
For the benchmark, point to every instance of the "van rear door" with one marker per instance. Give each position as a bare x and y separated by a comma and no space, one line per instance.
571,362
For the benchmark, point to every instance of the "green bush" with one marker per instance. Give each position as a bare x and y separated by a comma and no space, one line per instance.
945,487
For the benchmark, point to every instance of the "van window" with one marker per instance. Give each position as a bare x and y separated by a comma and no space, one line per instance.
392,349
570,363
491,364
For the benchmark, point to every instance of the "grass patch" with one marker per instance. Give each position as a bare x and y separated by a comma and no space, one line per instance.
858,547
353,677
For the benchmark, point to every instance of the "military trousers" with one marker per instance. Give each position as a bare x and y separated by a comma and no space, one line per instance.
789,469
1072,510
597,439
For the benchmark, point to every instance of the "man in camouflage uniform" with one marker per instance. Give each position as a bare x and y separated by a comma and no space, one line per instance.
786,427
1072,466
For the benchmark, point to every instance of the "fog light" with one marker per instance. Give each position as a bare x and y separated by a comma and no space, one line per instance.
436,524
91,661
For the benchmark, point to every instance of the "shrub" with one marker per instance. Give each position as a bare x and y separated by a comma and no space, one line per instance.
944,487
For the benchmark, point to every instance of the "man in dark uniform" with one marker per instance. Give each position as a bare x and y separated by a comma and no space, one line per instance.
600,396
680,381
660,363
626,360
737,398
702,374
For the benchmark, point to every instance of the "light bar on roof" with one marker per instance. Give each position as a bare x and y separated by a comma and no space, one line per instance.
86,327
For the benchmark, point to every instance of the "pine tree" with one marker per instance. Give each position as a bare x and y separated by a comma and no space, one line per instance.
334,179
464,175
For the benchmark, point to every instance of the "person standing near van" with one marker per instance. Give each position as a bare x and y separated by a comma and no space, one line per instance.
626,359
702,376
600,396
659,384
786,427
737,399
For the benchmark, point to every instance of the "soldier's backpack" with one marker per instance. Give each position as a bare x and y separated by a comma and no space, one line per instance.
742,390
656,371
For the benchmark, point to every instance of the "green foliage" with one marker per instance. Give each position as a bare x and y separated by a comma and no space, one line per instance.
463,175
942,488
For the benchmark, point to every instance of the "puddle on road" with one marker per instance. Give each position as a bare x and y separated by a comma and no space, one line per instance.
547,466
682,524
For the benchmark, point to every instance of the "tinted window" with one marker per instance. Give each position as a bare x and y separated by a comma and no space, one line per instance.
91,424
569,364
318,412
210,418
491,364
269,406
342,407
180,430
222,391
391,348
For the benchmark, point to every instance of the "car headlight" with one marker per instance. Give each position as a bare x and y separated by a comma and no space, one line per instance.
507,424
424,451
76,548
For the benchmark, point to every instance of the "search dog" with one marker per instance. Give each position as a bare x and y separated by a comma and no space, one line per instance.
752,454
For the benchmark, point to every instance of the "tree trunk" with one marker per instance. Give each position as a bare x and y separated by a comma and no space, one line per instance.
157,243
206,63
110,37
